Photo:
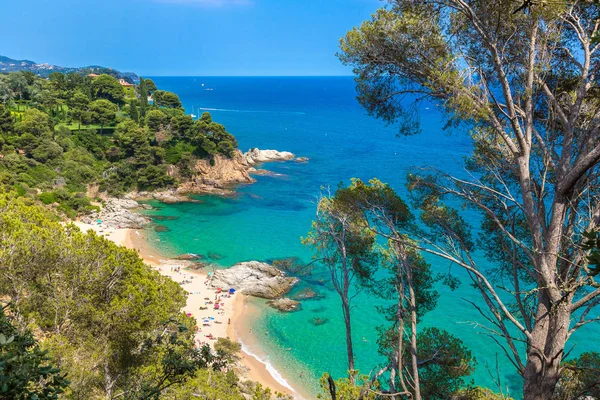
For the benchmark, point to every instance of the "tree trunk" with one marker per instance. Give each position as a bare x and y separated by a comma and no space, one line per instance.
548,339
349,347
413,333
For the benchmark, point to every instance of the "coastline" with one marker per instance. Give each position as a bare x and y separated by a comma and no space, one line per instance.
234,310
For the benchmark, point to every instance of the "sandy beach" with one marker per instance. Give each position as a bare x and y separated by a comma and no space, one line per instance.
213,323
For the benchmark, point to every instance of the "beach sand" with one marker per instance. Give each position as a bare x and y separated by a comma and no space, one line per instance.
231,324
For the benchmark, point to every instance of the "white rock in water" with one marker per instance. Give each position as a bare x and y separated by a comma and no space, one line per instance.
254,156
254,278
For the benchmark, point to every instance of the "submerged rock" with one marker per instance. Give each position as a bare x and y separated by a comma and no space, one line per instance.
254,278
316,321
164,218
285,304
189,256
307,294
256,156
161,228
301,159
214,256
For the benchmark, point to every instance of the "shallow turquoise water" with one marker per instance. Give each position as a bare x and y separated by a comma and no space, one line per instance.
320,119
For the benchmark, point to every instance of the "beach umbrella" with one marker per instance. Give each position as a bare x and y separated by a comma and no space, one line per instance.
231,291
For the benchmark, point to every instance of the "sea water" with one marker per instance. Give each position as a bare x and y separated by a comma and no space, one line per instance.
318,118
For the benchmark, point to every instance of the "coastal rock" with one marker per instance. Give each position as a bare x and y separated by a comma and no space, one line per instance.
307,294
189,257
255,156
301,159
264,172
254,278
285,304
216,176
166,196
116,214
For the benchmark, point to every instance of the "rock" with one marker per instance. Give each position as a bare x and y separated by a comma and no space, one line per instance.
116,214
307,294
214,256
127,204
189,257
316,321
264,172
166,196
285,304
161,228
301,159
169,197
255,156
254,278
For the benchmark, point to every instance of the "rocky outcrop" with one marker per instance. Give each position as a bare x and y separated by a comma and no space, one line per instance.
116,214
256,156
285,304
218,175
166,196
301,159
254,278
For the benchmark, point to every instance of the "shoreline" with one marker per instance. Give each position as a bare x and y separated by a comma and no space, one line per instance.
254,368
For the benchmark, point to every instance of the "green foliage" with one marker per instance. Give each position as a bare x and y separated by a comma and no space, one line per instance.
580,378
478,393
346,388
118,313
108,88
103,112
591,244
26,371
73,155
166,99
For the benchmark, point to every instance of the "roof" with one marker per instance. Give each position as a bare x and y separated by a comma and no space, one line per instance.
123,82
93,75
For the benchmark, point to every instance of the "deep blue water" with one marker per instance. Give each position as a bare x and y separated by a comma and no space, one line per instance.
317,118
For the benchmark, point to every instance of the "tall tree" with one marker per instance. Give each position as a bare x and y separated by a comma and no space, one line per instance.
108,88
340,239
525,85
103,112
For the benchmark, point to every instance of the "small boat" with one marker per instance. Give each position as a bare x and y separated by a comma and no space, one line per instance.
192,114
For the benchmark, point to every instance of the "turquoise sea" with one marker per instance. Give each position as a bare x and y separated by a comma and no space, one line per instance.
319,118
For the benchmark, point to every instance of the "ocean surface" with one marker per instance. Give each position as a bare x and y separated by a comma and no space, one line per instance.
319,118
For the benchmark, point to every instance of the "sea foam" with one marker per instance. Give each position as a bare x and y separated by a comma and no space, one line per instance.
274,373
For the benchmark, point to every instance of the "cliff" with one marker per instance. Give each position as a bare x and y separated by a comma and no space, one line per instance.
218,175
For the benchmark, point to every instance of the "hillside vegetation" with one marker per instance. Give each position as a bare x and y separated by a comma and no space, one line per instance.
61,134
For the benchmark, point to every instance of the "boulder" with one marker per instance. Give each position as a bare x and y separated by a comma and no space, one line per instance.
116,214
254,278
255,156
301,159
285,304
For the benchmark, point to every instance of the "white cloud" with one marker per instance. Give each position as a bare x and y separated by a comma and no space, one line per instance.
208,3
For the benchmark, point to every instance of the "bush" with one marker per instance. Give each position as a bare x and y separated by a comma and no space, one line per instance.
47,198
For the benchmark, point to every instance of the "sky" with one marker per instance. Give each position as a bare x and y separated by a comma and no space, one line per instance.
184,37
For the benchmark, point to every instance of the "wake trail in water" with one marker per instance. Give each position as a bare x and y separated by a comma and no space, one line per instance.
253,111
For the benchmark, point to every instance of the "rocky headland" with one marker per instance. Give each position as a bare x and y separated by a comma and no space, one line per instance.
119,213
254,278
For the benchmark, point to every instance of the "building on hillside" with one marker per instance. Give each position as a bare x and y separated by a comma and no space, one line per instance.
93,76
129,88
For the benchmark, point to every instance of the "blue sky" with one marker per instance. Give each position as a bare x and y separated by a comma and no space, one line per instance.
184,37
